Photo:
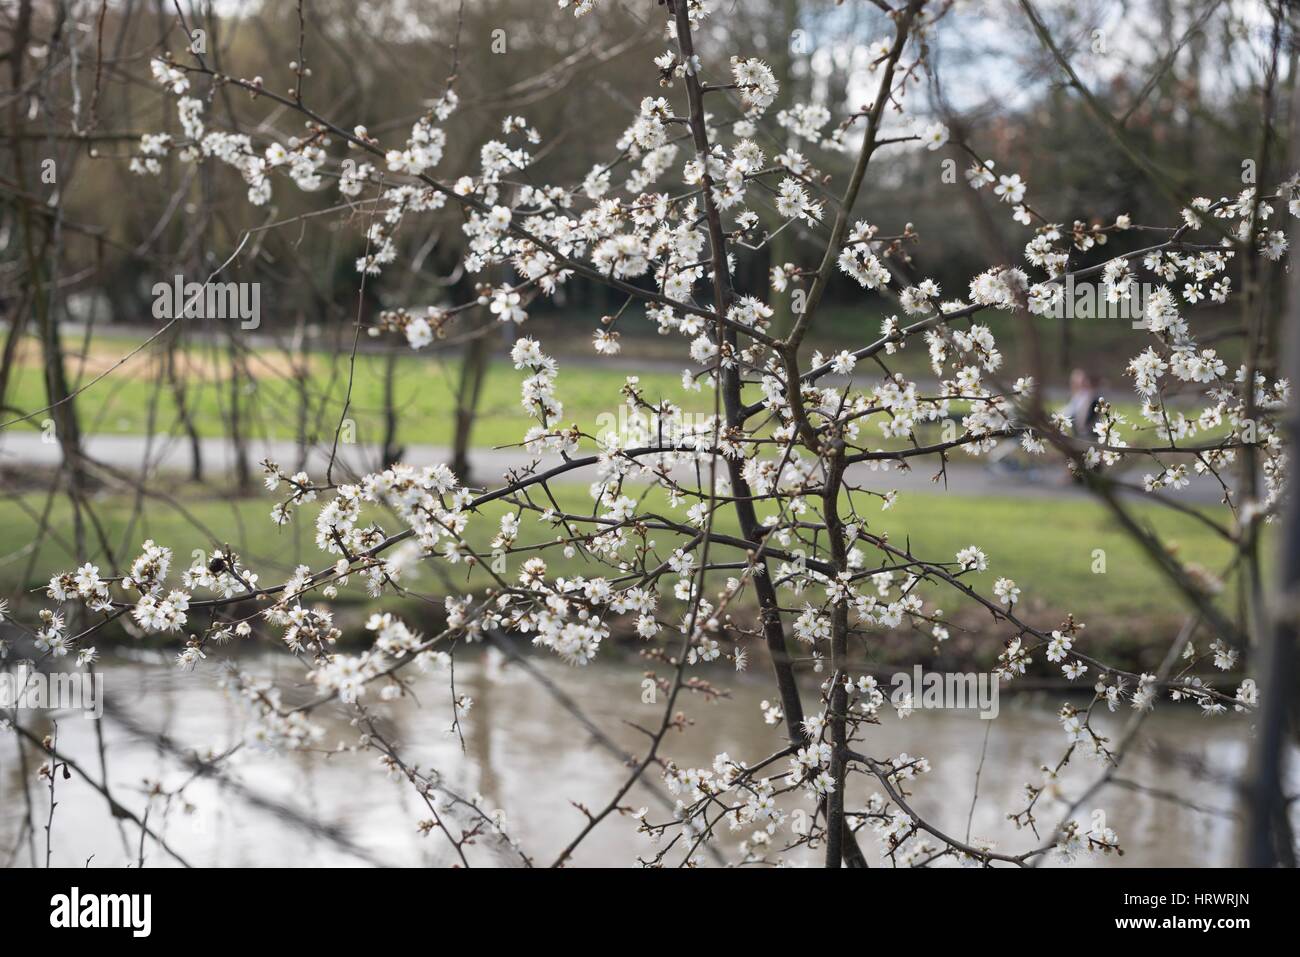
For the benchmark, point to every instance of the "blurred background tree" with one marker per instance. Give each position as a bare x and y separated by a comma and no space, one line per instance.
1181,77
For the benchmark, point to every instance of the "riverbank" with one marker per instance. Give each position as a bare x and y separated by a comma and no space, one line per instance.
1067,555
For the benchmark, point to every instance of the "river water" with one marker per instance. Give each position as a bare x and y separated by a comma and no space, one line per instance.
525,754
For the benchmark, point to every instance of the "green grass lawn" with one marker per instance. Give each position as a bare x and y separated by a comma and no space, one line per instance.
1047,546
424,390
138,398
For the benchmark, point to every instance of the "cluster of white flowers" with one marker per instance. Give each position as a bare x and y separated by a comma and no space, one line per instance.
758,86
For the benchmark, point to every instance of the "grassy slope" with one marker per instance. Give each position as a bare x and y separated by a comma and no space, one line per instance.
130,399
127,401
1046,546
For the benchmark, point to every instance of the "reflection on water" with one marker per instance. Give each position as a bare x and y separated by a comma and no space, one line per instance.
528,756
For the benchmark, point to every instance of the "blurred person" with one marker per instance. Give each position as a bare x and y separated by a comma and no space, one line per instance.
1083,407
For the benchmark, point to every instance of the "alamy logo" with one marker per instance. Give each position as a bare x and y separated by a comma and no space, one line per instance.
103,910
936,690
628,428
179,299
26,687
1090,300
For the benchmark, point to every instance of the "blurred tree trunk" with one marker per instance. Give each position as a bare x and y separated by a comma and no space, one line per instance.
243,472
473,370
17,326
392,452
58,394
1268,834
1268,838
300,363
179,394
36,238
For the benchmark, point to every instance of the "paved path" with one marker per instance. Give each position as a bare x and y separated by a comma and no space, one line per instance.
171,456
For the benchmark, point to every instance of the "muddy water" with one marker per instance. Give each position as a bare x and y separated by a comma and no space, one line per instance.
525,754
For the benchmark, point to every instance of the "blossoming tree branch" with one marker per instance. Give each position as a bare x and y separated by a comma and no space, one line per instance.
747,534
